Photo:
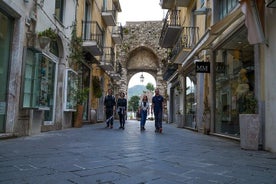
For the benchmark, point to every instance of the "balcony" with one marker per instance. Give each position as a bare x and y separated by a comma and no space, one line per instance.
117,34
169,4
171,29
109,15
108,59
92,36
185,43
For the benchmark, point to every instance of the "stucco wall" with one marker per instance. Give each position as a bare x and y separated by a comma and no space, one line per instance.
270,82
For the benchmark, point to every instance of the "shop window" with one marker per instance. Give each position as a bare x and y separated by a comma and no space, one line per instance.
226,6
71,86
39,79
59,7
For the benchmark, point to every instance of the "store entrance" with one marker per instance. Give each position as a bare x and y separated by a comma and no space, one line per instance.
5,43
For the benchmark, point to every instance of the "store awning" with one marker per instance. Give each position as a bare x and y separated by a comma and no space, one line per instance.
213,33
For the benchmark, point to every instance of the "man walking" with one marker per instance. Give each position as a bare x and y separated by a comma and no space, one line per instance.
110,105
157,107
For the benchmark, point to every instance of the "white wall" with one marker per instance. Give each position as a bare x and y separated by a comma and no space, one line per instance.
270,82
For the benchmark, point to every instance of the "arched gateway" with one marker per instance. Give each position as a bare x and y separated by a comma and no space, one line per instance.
140,52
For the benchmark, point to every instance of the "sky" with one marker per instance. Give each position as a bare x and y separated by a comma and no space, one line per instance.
135,79
140,10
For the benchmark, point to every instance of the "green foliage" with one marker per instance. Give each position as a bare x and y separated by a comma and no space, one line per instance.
248,104
97,87
150,87
133,103
81,95
50,33
76,54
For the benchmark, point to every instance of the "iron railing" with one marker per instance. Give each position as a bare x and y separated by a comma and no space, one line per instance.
91,31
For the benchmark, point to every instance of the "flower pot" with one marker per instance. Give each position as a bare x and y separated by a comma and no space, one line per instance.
44,41
249,131
78,117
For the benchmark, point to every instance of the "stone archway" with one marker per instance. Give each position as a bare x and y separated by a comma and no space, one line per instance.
140,52
142,59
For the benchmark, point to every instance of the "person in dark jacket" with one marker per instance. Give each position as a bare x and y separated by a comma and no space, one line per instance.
157,107
110,107
121,108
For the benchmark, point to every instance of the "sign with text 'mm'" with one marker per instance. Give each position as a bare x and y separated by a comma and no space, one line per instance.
202,67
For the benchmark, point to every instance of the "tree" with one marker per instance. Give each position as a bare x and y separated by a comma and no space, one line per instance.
134,103
150,87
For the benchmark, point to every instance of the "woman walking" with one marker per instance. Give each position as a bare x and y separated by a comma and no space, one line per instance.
121,107
144,110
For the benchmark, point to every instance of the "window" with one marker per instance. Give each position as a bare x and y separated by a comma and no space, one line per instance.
71,86
59,10
226,6
39,79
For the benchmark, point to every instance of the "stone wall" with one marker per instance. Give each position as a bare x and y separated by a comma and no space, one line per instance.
140,46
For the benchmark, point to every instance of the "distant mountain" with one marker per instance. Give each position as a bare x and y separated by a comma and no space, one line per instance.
136,90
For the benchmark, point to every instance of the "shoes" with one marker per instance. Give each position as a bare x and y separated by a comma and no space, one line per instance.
120,127
111,126
123,128
142,128
159,130
107,126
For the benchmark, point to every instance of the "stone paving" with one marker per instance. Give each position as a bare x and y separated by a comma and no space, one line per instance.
92,154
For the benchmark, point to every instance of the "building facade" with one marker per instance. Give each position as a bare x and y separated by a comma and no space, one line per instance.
46,61
223,73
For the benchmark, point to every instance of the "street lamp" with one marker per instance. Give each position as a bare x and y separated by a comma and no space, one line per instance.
142,78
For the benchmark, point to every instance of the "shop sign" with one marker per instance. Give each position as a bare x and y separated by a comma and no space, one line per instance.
202,67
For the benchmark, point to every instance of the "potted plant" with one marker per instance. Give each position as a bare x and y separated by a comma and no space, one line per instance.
249,123
46,36
81,96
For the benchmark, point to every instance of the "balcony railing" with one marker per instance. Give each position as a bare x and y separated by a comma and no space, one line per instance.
109,15
185,43
117,33
92,36
171,29
108,59
169,4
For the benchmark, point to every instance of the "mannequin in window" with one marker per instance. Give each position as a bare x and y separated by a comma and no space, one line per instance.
242,89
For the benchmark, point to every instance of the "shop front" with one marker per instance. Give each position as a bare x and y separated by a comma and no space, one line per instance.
190,99
6,30
234,82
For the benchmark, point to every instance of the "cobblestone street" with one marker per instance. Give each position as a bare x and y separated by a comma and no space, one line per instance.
93,154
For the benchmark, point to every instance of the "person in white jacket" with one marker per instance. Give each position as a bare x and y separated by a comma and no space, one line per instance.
144,111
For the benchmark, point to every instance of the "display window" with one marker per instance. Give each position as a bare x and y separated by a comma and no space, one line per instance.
190,100
234,81
39,80
71,86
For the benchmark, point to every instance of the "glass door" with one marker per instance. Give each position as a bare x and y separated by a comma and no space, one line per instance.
5,40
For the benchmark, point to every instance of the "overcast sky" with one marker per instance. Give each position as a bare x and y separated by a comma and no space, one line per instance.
140,10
